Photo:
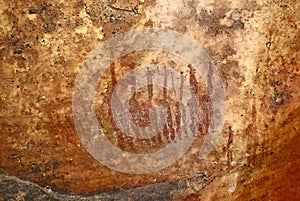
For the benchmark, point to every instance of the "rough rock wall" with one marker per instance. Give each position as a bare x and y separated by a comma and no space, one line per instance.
253,44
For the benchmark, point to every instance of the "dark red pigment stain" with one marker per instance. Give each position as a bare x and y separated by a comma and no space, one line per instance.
229,142
141,102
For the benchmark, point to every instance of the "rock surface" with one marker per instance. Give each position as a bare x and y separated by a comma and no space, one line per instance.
255,47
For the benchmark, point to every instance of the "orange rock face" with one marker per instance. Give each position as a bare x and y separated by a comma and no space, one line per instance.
254,46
